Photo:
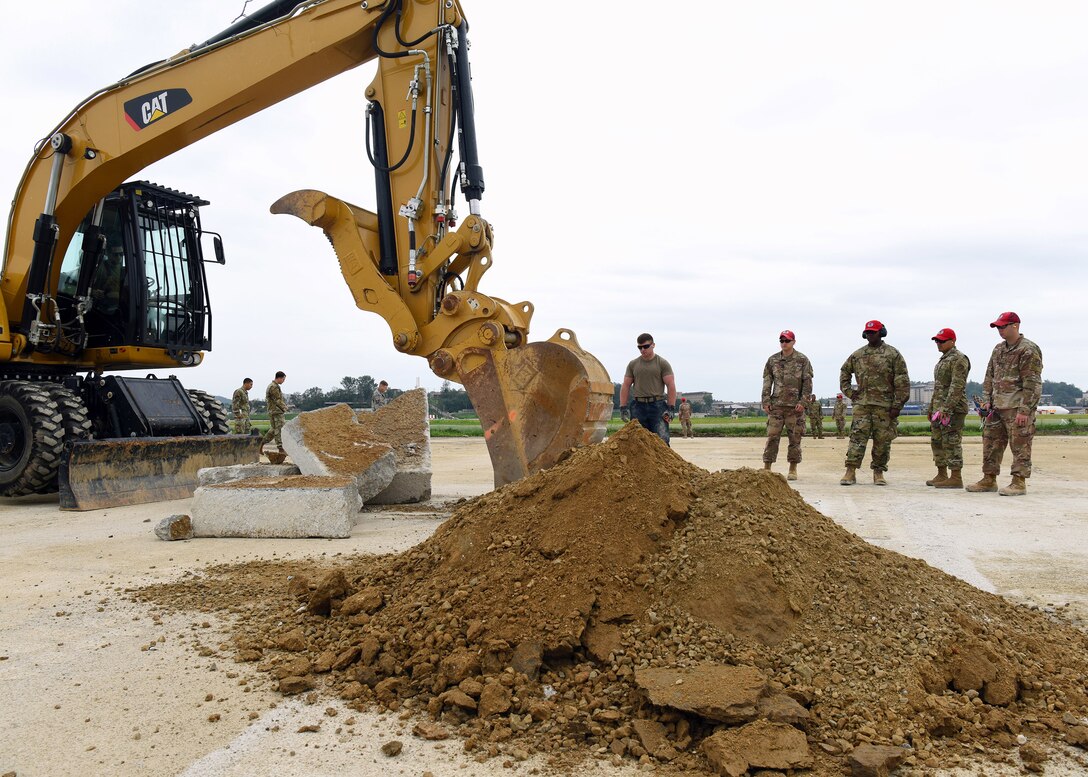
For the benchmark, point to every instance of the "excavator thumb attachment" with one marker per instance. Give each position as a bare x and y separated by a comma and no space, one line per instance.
110,473
536,401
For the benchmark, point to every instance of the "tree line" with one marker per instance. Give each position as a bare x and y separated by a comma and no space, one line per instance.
451,399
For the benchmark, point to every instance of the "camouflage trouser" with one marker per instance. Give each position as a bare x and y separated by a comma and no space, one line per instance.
1001,430
685,426
275,430
947,442
871,422
241,424
794,423
840,426
815,425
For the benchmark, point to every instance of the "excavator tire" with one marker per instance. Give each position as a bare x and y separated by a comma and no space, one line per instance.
212,410
31,438
74,418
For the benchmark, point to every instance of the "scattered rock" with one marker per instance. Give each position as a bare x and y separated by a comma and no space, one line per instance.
761,744
727,694
875,760
430,731
174,527
392,748
494,700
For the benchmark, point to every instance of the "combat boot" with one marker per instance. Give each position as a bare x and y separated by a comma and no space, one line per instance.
988,483
849,478
942,475
954,480
878,478
1016,488
793,472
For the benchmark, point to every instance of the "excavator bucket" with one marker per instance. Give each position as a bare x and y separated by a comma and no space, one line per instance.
110,473
536,402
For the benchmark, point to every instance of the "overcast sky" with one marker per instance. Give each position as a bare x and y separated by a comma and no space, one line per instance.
709,171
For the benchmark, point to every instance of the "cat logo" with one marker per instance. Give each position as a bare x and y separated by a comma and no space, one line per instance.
149,108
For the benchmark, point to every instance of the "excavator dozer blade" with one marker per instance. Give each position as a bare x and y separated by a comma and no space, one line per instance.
537,401
110,473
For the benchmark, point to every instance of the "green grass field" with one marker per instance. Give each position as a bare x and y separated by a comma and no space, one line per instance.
909,426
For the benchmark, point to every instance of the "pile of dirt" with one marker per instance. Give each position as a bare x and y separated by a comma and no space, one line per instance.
546,617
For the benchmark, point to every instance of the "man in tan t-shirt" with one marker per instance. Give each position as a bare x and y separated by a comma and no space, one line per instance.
648,392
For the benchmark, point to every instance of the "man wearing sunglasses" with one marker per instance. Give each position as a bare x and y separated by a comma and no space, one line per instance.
648,393
787,381
1010,392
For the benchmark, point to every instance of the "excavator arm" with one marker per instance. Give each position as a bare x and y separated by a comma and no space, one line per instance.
408,261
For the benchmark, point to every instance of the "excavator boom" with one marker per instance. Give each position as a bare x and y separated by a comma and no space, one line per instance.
409,260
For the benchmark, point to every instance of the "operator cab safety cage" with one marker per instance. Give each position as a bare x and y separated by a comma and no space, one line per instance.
144,272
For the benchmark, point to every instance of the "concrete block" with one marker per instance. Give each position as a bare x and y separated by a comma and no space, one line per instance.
331,441
403,425
407,487
209,476
292,507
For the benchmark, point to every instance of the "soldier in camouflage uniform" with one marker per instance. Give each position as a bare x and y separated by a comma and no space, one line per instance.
380,398
277,408
947,411
787,380
1010,393
815,417
684,414
839,415
883,389
239,404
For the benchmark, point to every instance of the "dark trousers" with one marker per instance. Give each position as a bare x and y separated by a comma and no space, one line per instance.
649,415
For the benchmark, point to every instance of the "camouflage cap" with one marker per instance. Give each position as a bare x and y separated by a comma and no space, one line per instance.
1005,319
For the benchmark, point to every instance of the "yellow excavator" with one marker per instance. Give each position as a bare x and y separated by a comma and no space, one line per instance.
104,275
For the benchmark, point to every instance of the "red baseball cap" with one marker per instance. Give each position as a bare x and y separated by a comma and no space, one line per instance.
1006,318
873,326
944,334
786,334
838,396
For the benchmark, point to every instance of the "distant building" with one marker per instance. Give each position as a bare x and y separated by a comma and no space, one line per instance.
921,393
697,398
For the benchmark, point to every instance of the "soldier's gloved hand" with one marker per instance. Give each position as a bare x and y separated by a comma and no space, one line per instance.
625,414
893,413
666,416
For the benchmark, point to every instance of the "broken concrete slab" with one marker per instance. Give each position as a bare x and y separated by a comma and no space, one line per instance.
209,476
330,442
337,440
404,425
291,507
727,694
759,745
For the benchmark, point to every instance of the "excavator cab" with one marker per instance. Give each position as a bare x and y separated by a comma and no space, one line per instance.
136,264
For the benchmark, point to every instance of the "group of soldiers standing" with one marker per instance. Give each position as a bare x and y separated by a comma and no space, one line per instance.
277,407
875,379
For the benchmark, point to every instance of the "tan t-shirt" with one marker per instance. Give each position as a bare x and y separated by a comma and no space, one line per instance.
648,376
